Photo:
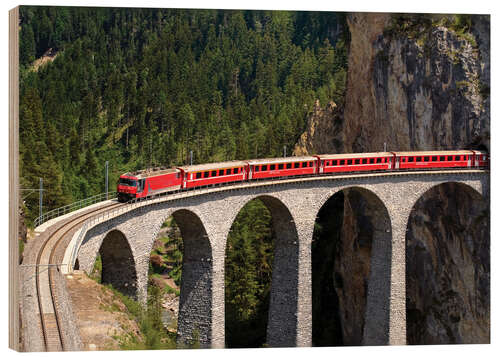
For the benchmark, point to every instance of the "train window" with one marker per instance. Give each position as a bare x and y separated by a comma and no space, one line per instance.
434,158
272,167
364,161
411,159
356,161
419,159
372,160
264,168
288,166
442,158
334,162
214,173
198,175
342,162
221,172
379,160
235,170
349,162
426,158
257,168
457,158
205,174
280,167
296,165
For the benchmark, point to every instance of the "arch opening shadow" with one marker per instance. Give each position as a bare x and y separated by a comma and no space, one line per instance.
350,286
184,254
118,265
448,267
264,239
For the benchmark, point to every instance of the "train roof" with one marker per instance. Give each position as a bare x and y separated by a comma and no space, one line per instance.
355,155
156,171
213,166
437,153
281,159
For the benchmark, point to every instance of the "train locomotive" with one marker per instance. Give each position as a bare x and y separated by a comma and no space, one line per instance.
140,184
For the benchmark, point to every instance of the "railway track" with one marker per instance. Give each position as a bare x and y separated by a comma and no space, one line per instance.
45,270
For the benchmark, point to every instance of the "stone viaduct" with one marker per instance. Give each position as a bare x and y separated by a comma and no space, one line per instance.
126,240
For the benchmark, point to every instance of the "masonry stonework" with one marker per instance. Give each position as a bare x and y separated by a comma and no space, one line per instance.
205,221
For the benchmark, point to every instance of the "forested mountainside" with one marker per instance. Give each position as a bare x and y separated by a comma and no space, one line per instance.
144,87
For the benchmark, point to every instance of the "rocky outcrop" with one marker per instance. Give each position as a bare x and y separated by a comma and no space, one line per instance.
324,131
420,89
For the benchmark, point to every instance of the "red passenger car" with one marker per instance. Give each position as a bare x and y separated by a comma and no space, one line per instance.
481,159
356,162
216,173
433,159
280,167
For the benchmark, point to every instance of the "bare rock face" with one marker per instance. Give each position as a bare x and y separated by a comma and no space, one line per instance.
361,102
324,132
420,89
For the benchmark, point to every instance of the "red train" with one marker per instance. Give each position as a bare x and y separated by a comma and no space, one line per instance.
154,181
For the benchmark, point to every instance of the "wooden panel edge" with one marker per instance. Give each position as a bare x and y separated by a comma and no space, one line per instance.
14,179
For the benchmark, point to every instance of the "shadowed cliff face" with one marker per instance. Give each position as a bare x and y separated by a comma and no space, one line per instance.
341,255
448,268
421,83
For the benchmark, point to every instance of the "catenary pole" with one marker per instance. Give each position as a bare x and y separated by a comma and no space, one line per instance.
107,164
40,203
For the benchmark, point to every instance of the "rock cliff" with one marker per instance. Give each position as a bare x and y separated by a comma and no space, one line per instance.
324,131
419,82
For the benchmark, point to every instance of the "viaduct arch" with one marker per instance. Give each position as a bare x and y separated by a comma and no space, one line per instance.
207,219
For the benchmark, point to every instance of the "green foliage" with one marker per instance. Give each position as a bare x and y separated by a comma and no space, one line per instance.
169,290
154,336
141,87
249,255
97,269
420,26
